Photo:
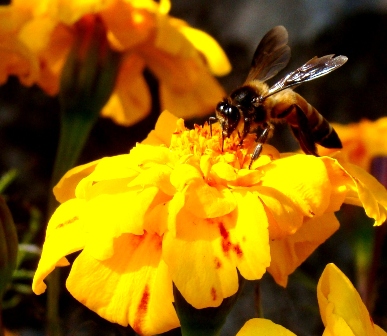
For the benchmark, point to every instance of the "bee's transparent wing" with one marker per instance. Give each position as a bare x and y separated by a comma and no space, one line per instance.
316,67
271,55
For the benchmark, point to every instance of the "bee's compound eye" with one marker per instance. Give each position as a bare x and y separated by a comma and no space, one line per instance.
228,111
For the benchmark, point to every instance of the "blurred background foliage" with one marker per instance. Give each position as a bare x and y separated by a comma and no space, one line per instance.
29,126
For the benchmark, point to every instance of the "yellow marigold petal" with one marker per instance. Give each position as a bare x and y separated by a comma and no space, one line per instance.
157,175
208,202
260,326
289,253
379,331
216,58
206,252
285,217
41,27
361,141
137,289
104,209
165,6
170,39
116,167
65,234
130,102
193,100
129,23
146,155
303,179
340,181
341,307
159,214
165,126
251,233
65,188
366,192
212,273
201,199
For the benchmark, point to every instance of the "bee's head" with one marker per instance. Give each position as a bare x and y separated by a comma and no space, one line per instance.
228,116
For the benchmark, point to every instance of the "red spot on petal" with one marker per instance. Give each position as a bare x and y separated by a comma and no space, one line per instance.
141,311
227,245
237,249
218,263
72,220
213,294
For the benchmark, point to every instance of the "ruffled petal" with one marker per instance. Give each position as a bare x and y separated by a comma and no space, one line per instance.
201,199
137,289
65,188
214,54
103,210
196,260
130,102
365,191
289,253
303,179
165,126
341,307
65,234
206,252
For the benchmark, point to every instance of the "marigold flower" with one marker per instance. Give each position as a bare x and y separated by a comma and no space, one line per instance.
178,209
341,308
35,39
362,141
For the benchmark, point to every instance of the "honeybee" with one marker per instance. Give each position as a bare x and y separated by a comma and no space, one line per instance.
254,107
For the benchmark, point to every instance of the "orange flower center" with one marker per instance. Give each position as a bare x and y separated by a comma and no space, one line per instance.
198,142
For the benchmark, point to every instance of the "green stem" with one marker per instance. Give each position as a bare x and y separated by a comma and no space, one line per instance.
74,133
257,300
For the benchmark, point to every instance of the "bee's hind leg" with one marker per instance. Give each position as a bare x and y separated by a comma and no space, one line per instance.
261,140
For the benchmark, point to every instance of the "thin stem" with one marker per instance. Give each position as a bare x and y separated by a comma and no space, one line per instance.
73,136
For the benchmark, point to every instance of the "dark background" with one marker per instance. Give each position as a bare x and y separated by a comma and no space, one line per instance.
29,126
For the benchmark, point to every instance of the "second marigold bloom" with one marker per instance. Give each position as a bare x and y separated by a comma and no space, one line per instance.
36,37
178,210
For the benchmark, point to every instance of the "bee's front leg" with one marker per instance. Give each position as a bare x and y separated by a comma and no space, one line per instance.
211,120
246,129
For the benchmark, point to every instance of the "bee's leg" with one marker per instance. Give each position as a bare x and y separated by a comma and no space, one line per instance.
211,120
260,142
246,129
303,132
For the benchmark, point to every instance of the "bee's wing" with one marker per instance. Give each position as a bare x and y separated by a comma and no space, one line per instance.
316,67
271,56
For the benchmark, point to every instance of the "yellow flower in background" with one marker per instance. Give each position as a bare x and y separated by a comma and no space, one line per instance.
362,141
35,39
263,327
341,308
178,210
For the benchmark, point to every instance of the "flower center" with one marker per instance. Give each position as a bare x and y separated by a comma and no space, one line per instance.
198,142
